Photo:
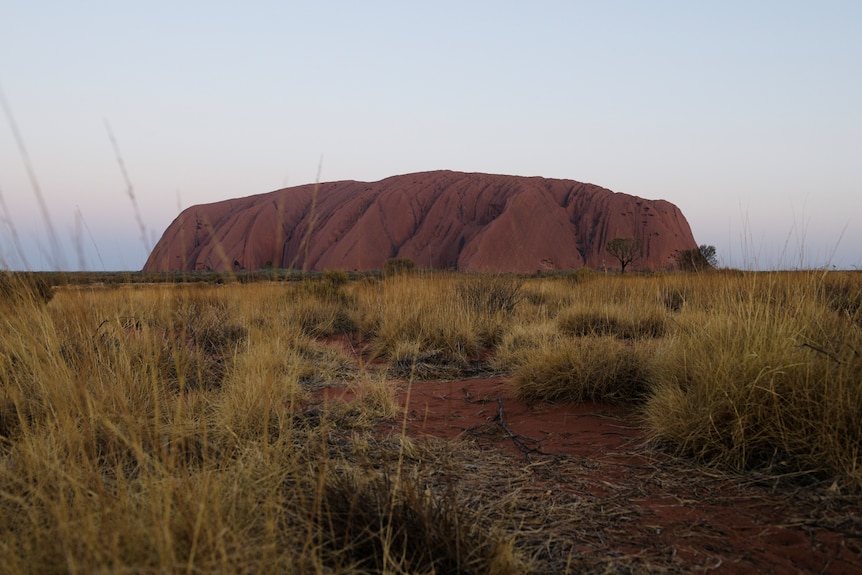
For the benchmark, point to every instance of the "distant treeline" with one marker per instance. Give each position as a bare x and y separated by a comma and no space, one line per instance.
46,280
181,277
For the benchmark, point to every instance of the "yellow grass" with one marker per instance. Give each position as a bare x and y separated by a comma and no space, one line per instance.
765,372
172,429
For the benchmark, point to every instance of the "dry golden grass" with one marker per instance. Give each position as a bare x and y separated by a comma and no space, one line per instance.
166,429
770,378
601,369
747,371
171,429
445,318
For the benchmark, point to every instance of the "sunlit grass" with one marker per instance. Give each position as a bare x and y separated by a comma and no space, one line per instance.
176,428
769,378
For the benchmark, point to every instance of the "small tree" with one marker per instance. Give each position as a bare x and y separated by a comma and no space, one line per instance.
709,254
697,259
626,250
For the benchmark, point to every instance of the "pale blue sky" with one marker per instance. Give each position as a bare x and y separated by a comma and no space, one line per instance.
746,115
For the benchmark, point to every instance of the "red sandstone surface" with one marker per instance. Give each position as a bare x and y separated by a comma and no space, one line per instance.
440,220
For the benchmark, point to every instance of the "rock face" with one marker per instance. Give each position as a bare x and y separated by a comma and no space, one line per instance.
441,220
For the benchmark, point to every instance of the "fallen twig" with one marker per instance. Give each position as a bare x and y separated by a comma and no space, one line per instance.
518,439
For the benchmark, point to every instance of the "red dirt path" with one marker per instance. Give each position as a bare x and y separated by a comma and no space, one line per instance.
711,521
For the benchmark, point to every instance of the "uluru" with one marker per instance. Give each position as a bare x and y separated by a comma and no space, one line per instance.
441,220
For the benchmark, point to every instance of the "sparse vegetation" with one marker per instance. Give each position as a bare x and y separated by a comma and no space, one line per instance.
395,266
697,259
17,288
167,428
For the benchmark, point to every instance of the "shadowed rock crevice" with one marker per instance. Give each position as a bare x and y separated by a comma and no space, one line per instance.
442,220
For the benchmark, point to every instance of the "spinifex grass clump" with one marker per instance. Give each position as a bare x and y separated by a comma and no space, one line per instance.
771,379
586,341
600,369
633,321
843,293
22,287
187,341
382,526
490,293
320,306
428,319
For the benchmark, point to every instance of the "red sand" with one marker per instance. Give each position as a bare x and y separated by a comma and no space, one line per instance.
710,520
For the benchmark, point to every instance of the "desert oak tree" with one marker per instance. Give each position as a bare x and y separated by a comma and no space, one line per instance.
626,250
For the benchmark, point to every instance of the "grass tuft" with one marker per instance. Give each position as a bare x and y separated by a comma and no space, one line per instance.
601,369
774,387
630,322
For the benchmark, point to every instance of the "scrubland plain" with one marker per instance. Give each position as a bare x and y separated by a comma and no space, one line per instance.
161,428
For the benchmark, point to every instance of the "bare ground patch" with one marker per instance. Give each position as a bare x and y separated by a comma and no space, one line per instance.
583,493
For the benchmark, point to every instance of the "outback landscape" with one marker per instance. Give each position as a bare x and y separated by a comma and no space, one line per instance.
404,288
419,421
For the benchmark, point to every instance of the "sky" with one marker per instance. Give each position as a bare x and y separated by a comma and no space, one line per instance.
117,114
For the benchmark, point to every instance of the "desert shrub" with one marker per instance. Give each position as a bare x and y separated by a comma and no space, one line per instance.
697,259
490,293
544,299
336,277
22,361
209,319
586,369
148,354
627,290
398,266
319,317
256,404
317,365
371,401
327,286
106,467
674,298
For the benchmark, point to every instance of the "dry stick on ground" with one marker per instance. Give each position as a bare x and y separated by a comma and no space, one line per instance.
516,438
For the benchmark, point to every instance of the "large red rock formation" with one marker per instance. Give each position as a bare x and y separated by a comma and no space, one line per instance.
442,220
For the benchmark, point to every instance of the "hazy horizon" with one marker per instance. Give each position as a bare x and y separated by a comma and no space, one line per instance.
743,115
